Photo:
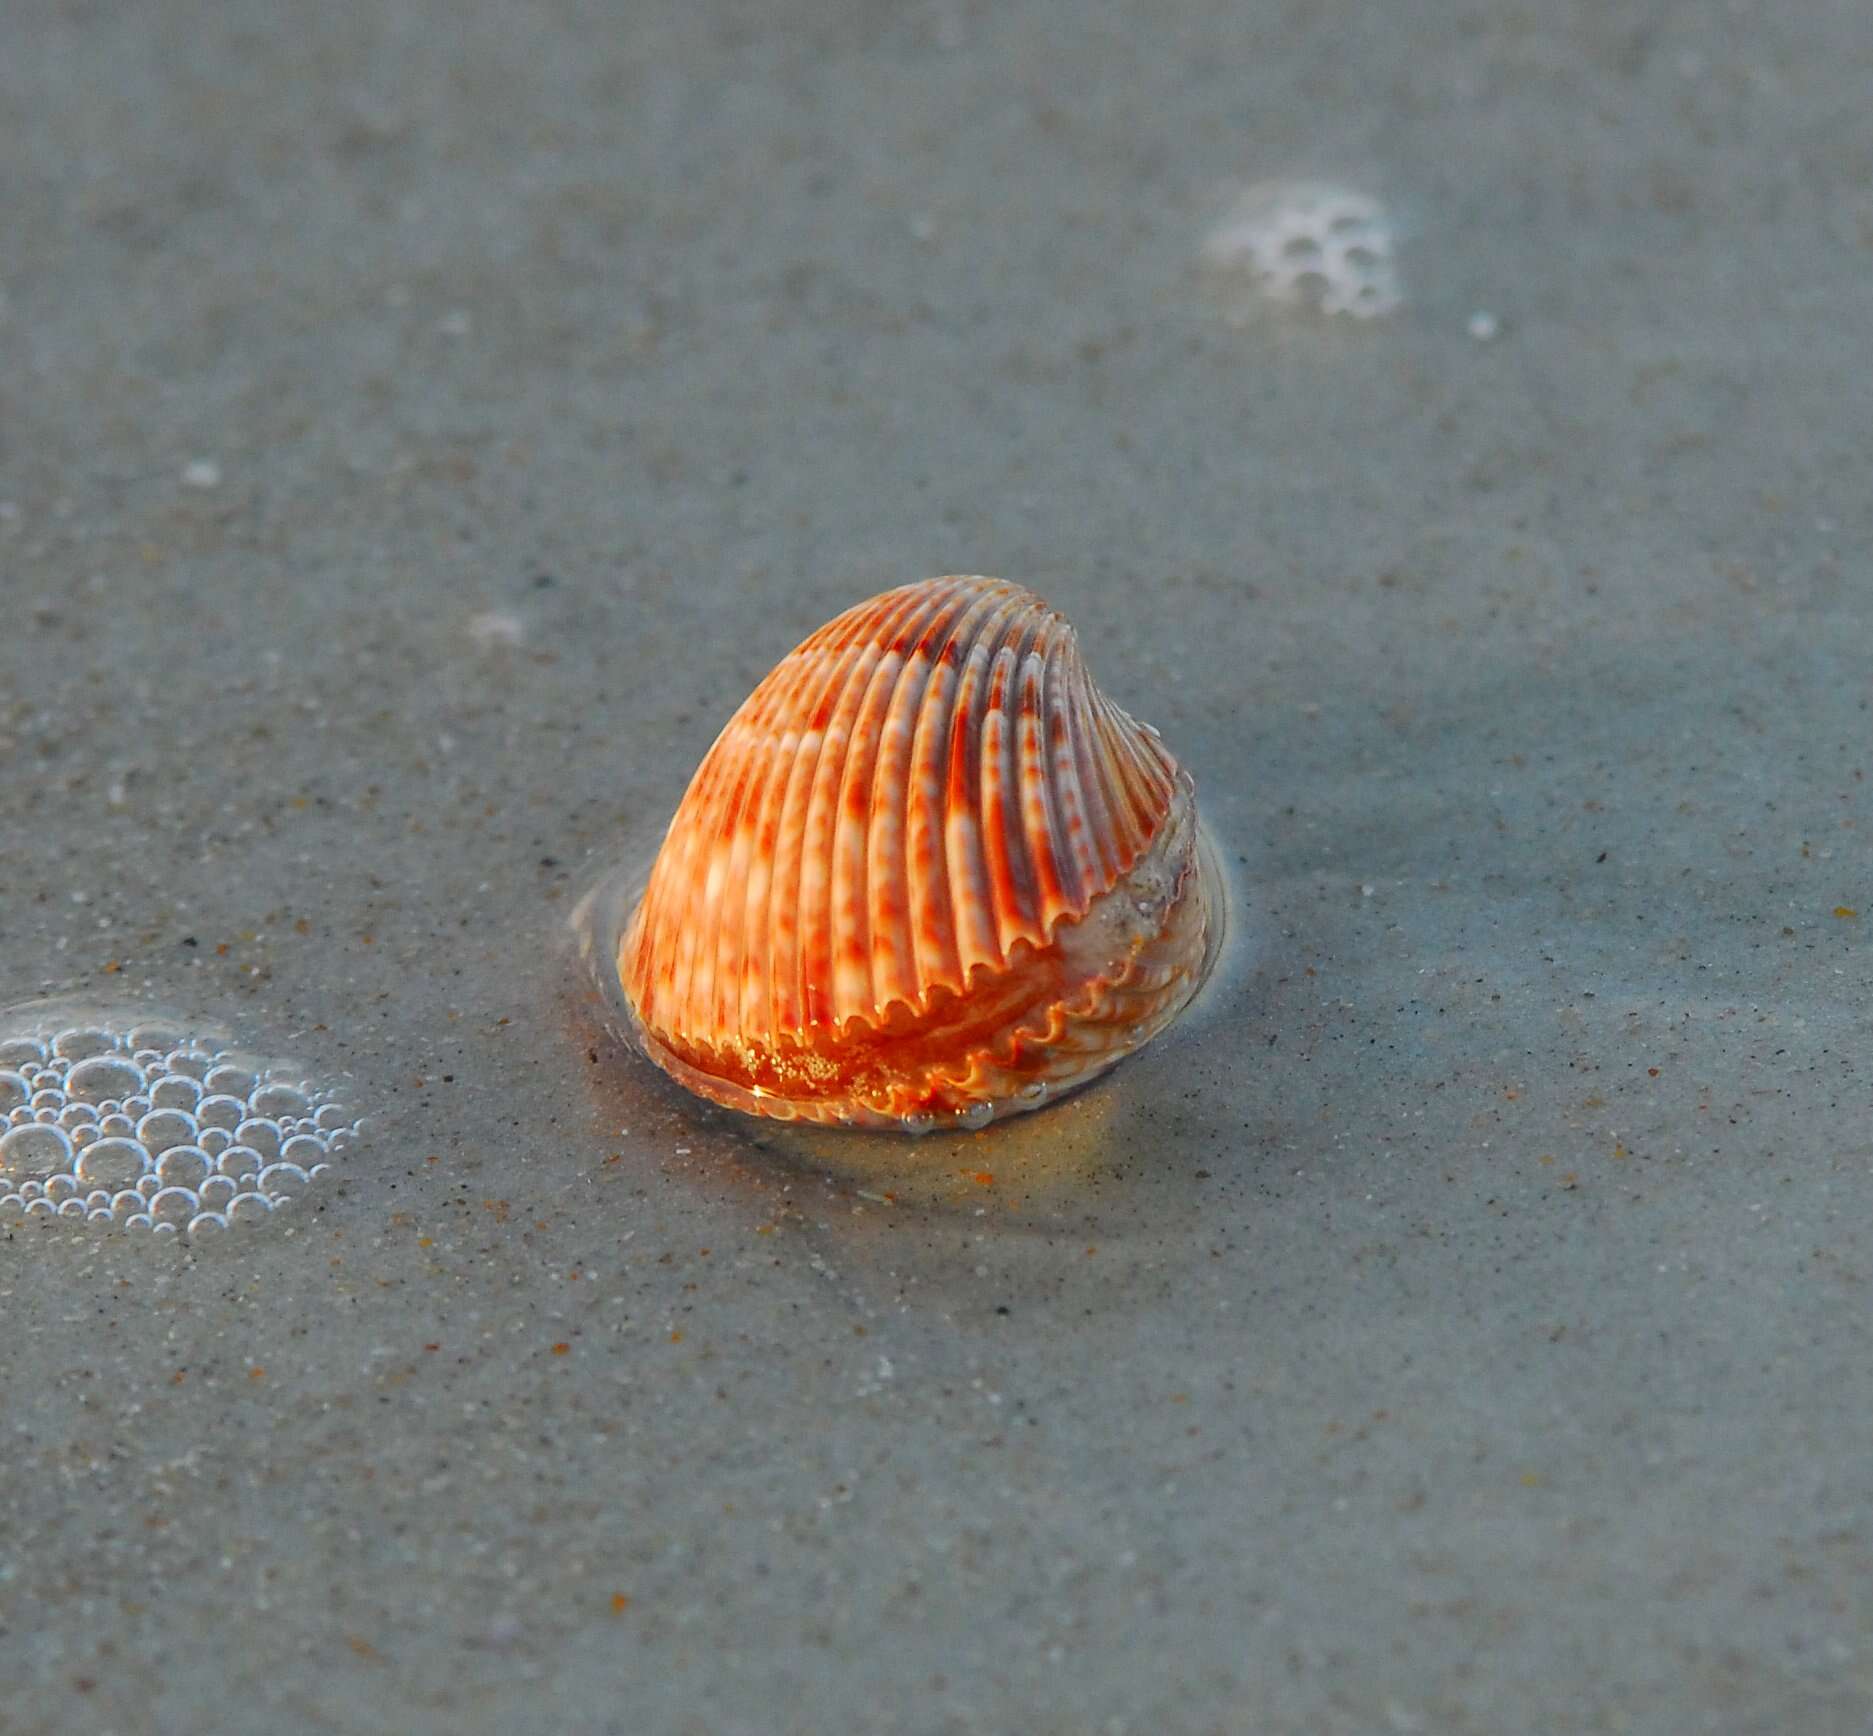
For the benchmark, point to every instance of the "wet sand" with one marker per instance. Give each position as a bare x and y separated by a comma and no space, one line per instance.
421,426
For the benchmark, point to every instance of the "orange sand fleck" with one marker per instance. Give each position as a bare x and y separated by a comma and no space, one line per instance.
676,1337
982,1178
1845,910
619,1603
561,1349
256,1374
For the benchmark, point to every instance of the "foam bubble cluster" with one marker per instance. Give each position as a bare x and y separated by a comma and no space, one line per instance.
149,1127
1311,244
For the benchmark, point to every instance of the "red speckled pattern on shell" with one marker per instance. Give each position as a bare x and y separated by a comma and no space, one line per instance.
901,815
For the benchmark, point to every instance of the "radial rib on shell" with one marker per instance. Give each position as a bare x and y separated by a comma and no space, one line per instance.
927,872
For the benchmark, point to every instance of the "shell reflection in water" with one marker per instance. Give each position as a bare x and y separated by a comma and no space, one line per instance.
927,875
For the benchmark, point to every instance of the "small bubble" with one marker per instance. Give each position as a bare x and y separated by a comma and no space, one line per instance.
162,1128
148,1184
98,1200
183,1166
330,1116
229,1079
61,1188
104,1077
19,1116
175,1091
280,1181
126,1203
278,1101
15,1089
174,1205
977,1115
50,1097
73,1208
217,1190
302,1148
497,627
261,1135
248,1208
162,1227
35,1150
81,1042
153,1037
41,1209
191,1063
139,1221
918,1124
112,1163
17,1052
117,1126
221,1111
76,1115
214,1140
11,1207
239,1160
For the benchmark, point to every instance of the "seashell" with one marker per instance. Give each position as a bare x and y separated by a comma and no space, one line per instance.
927,874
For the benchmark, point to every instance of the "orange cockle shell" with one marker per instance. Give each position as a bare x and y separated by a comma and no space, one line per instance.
928,873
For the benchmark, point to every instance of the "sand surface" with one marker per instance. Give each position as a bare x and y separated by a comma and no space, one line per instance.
421,424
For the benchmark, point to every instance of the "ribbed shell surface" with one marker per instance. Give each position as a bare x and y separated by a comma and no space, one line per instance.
917,795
